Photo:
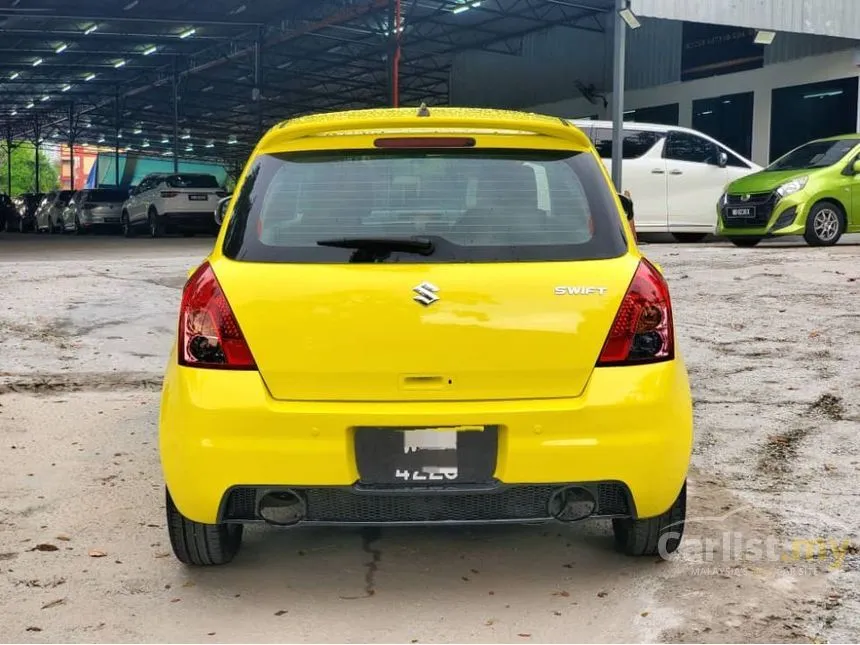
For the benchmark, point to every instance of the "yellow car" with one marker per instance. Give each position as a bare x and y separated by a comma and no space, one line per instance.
424,316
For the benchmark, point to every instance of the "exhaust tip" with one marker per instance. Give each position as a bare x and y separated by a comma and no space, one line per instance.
571,504
281,508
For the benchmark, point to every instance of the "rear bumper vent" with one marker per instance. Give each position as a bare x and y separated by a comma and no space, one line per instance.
504,503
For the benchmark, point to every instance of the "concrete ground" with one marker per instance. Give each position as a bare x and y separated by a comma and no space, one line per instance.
772,340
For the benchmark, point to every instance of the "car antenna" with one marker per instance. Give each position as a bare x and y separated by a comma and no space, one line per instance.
423,110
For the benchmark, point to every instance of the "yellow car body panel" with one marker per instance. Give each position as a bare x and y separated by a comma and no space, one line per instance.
292,422
221,429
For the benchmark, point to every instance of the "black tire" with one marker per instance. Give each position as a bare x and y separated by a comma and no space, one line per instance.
825,224
127,228
689,238
51,228
659,535
199,544
156,225
745,242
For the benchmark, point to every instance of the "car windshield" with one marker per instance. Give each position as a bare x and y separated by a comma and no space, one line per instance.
105,195
471,205
817,154
192,181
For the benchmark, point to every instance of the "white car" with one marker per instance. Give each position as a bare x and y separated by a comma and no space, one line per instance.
675,176
167,202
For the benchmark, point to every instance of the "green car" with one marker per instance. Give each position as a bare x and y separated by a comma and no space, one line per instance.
813,191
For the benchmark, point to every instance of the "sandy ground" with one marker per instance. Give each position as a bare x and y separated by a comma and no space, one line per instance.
772,340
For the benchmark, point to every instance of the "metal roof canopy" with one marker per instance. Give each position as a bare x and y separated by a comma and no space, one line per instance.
203,80
840,18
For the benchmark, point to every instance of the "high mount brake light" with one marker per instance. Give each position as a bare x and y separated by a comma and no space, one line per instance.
643,330
209,334
425,142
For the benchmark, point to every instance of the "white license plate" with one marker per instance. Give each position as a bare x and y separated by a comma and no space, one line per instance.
198,198
741,212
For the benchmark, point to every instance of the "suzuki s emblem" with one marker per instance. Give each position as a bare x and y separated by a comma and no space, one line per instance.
426,293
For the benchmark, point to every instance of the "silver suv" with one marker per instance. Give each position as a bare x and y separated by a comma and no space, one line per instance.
94,208
163,203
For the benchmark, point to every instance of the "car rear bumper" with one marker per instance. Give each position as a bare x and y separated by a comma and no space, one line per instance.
224,442
190,220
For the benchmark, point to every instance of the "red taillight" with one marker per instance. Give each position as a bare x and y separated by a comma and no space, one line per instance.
221,194
425,142
209,334
643,331
167,194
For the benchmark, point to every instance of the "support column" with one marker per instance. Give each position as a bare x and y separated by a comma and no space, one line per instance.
258,81
72,133
394,23
37,144
175,118
9,143
618,82
116,138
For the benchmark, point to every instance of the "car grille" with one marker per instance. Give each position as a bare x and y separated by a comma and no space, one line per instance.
387,506
763,203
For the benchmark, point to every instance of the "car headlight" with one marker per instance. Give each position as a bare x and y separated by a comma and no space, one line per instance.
724,198
791,187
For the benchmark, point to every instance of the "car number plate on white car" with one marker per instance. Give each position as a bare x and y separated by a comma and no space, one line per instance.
741,212
198,198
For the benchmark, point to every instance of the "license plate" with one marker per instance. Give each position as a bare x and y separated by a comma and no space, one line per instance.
111,220
426,456
740,213
198,198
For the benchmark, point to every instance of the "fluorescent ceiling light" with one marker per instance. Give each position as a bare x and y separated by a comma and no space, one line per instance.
131,5
150,50
14,112
208,88
630,18
46,98
167,153
14,76
210,143
66,87
188,33
706,113
465,6
186,134
138,128
189,148
148,106
165,139
241,8
232,140
101,138
90,77
37,62
824,95
145,143
119,63
90,29
764,37
61,48
31,105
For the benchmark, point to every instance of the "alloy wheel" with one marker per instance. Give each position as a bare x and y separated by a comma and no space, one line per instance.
826,224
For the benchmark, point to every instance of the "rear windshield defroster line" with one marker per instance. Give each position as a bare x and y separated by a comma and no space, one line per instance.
476,205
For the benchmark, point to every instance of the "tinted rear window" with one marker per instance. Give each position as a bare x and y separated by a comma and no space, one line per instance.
635,142
192,181
475,205
102,196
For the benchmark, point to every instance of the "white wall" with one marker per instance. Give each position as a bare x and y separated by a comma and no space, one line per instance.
760,81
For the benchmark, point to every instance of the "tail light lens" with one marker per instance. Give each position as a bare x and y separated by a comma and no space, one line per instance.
167,194
643,330
209,334
221,194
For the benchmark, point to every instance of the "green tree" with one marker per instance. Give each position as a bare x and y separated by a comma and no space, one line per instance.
24,170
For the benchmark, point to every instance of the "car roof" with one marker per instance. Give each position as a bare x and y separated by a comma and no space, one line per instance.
840,137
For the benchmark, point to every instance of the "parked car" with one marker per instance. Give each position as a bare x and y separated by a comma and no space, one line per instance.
26,205
49,215
94,208
434,323
812,191
164,203
7,211
674,175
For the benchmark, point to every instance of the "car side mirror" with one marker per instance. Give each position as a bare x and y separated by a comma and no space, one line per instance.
722,159
856,167
221,209
627,203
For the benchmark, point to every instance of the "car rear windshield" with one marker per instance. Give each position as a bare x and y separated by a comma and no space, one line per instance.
192,181
817,154
471,205
104,196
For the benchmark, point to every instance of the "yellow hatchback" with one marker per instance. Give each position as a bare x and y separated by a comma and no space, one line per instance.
423,317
